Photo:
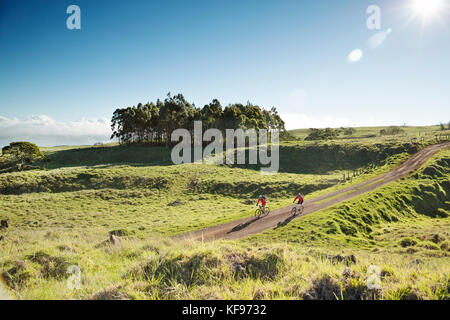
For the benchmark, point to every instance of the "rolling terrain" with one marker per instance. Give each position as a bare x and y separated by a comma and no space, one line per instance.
121,215
245,227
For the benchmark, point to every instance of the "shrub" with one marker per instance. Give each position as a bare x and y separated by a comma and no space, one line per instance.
264,267
408,242
18,274
51,266
120,233
391,131
111,293
322,134
348,229
197,269
445,246
348,131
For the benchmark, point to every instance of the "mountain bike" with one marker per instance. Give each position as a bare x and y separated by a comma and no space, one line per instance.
297,209
262,212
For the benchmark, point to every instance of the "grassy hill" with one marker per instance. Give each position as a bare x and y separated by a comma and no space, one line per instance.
65,215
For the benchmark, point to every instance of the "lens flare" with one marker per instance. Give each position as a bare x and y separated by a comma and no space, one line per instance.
378,38
355,56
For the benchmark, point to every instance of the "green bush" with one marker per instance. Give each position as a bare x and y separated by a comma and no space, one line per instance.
408,242
322,134
391,131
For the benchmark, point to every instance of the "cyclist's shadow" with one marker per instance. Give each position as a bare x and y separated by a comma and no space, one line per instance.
242,225
285,222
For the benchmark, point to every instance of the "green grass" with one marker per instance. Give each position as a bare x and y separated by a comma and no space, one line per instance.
374,132
158,200
162,269
63,216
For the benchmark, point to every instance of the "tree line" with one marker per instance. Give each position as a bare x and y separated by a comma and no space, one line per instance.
153,123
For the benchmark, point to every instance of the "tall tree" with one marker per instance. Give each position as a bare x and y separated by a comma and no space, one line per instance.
176,113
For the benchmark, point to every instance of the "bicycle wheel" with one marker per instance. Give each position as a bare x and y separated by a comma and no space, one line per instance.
300,209
266,212
294,211
258,213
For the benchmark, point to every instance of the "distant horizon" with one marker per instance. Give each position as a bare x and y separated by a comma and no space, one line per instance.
92,141
321,64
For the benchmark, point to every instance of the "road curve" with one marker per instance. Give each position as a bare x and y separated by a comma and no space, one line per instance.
244,227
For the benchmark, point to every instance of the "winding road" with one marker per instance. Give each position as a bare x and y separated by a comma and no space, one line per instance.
244,227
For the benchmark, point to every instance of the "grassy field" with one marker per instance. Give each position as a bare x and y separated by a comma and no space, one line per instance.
409,132
65,215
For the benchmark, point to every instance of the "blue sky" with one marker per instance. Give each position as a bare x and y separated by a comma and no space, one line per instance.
60,86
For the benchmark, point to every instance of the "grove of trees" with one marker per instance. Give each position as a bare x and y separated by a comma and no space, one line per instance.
153,123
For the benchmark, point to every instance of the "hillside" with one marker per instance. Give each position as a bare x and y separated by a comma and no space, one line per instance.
65,216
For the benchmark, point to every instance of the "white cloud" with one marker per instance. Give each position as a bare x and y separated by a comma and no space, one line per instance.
45,131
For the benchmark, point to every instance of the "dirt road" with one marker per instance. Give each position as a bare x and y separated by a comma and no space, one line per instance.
244,227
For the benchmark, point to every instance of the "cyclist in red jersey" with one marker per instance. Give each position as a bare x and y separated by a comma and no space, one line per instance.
300,198
263,201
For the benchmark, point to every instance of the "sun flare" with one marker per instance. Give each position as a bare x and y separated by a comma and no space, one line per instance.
426,8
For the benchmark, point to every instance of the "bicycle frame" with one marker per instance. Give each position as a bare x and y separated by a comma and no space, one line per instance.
298,208
263,211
